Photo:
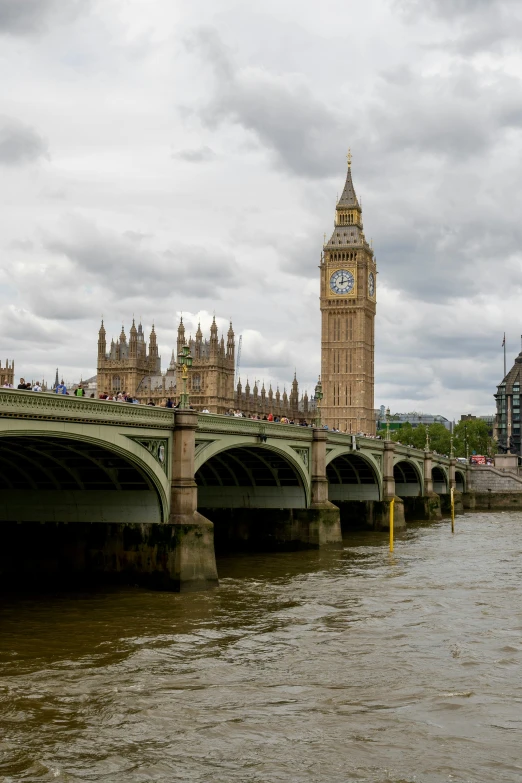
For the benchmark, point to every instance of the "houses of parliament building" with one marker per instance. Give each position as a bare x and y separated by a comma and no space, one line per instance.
348,286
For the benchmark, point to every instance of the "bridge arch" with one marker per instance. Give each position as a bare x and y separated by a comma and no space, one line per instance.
49,475
408,478
460,480
440,480
251,475
352,476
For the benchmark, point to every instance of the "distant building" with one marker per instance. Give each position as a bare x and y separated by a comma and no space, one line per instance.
507,420
397,420
7,373
128,367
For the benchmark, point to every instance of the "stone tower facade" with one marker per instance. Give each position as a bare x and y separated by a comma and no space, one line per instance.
7,373
126,363
348,303
211,379
128,366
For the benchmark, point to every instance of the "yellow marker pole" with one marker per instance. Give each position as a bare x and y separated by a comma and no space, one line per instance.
452,493
392,511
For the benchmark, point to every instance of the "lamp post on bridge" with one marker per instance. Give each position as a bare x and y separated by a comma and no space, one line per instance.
186,362
452,450
427,444
318,397
388,423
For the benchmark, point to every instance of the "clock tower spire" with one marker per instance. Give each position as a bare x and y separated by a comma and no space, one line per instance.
348,302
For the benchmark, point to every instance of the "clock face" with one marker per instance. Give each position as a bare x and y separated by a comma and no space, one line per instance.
342,282
371,284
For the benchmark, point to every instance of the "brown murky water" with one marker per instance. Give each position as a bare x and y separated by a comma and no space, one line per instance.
352,665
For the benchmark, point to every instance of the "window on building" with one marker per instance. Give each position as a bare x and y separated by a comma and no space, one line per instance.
196,382
116,383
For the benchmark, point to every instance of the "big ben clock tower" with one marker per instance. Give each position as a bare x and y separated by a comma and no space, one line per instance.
348,301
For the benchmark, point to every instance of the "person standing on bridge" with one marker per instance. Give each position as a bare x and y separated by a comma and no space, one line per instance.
37,387
60,388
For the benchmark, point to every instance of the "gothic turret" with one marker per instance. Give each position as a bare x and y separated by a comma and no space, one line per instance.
199,342
153,345
181,338
133,341
102,344
294,396
213,337
230,342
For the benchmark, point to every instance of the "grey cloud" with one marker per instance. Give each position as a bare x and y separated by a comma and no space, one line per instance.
282,113
24,245
446,9
456,114
133,270
19,143
198,155
474,25
23,17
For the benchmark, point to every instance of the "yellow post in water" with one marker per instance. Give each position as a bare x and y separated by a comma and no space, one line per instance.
452,493
392,511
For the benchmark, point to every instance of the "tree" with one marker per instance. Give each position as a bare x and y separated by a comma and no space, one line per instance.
416,436
474,434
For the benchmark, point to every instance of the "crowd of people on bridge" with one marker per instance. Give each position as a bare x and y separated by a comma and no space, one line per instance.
123,396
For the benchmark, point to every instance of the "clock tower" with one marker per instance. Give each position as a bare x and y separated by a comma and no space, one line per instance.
348,301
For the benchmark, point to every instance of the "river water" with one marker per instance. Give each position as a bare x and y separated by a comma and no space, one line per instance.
348,665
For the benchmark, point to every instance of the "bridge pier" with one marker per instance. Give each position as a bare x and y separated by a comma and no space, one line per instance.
382,510
324,518
192,561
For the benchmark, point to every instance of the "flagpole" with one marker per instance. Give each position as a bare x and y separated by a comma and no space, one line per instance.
504,344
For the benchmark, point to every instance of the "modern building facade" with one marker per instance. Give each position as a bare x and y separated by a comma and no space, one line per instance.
507,420
7,373
348,304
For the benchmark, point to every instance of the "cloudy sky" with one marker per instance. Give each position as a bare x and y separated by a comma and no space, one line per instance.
160,156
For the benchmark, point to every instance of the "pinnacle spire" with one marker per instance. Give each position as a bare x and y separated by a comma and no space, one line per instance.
348,196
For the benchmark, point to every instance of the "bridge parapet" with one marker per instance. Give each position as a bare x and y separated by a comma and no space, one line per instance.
18,404
228,425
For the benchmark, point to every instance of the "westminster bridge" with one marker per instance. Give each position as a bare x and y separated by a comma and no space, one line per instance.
92,486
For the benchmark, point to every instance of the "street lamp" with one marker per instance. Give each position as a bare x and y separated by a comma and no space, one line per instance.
387,424
452,452
186,362
318,397
427,445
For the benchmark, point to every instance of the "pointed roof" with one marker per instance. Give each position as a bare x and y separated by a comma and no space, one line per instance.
348,196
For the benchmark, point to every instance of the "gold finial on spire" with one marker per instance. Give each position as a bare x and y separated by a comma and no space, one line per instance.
324,240
349,157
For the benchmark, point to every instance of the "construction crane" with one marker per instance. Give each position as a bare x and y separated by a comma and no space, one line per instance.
238,359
